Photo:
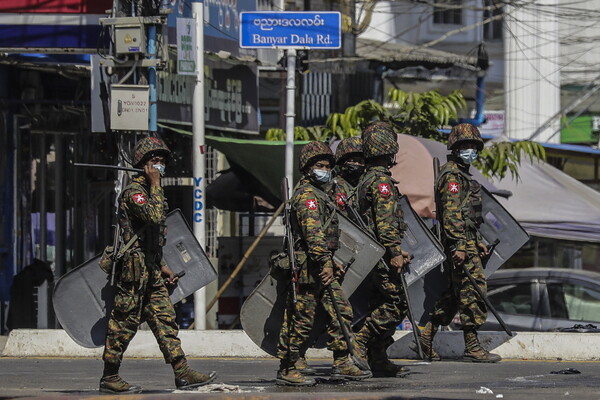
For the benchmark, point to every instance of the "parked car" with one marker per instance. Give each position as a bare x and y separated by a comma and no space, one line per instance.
544,299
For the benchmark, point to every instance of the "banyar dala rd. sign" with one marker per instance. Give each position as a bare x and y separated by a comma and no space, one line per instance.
300,30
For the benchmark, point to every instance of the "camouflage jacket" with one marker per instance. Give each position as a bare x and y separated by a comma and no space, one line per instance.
341,193
378,199
458,199
315,227
143,210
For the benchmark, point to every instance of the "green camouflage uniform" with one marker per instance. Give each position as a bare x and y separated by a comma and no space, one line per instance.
316,237
141,294
378,204
460,212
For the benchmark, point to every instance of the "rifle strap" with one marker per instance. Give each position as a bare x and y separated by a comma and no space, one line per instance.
130,243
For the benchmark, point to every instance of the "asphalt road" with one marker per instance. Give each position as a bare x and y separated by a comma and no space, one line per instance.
255,378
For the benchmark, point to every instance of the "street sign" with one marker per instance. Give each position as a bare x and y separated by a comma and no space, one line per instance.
291,30
186,47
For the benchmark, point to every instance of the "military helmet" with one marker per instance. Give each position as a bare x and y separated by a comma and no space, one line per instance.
379,139
465,133
347,147
312,150
147,148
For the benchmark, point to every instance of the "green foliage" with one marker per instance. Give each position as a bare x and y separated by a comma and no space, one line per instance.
418,114
496,160
422,114
300,133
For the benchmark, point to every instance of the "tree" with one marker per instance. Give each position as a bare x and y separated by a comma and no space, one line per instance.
419,114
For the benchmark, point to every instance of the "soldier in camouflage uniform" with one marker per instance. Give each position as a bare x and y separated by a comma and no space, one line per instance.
349,166
458,200
316,235
350,161
378,204
141,294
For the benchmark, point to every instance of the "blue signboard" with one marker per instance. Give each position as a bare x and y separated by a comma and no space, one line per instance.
221,23
302,30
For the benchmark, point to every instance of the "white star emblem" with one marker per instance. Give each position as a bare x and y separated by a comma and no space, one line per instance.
311,204
385,189
453,187
139,198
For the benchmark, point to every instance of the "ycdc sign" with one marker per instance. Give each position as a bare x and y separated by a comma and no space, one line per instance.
303,30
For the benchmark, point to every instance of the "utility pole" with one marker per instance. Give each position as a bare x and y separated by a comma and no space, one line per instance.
199,158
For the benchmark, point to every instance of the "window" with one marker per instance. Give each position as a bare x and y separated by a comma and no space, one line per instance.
512,299
447,12
574,302
492,30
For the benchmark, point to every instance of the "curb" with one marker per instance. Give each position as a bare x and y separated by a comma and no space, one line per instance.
235,343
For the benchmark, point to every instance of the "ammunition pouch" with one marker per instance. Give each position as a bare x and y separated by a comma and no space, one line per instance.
107,259
280,266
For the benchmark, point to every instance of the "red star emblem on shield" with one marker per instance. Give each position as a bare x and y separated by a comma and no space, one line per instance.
311,204
453,187
139,198
385,190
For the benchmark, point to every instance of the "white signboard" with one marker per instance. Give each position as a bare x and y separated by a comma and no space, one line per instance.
186,46
494,123
129,107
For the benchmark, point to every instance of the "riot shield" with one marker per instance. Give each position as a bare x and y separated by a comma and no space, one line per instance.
427,254
263,311
83,298
499,225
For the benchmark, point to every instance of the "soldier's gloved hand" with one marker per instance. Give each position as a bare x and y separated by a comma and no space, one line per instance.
397,262
326,276
459,257
170,276
483,249
152,174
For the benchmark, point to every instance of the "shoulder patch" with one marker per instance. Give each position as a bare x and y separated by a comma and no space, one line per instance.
139,198
385,190
453,187
311,204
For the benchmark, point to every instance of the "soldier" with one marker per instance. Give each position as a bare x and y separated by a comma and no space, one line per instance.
141,294
378,204
316,235
349,166
458,200
349,160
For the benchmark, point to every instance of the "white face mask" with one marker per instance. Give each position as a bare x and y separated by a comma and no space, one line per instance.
160,168
321,175
468,155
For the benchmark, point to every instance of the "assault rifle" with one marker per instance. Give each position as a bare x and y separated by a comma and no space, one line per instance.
289,238
361,223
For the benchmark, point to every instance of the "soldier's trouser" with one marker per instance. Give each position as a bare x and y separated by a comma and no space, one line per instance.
388,306
300,317
461,296
135,302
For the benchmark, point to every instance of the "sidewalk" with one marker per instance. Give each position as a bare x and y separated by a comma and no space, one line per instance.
235,343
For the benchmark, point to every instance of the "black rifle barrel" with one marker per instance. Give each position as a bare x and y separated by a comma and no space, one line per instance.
108,167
